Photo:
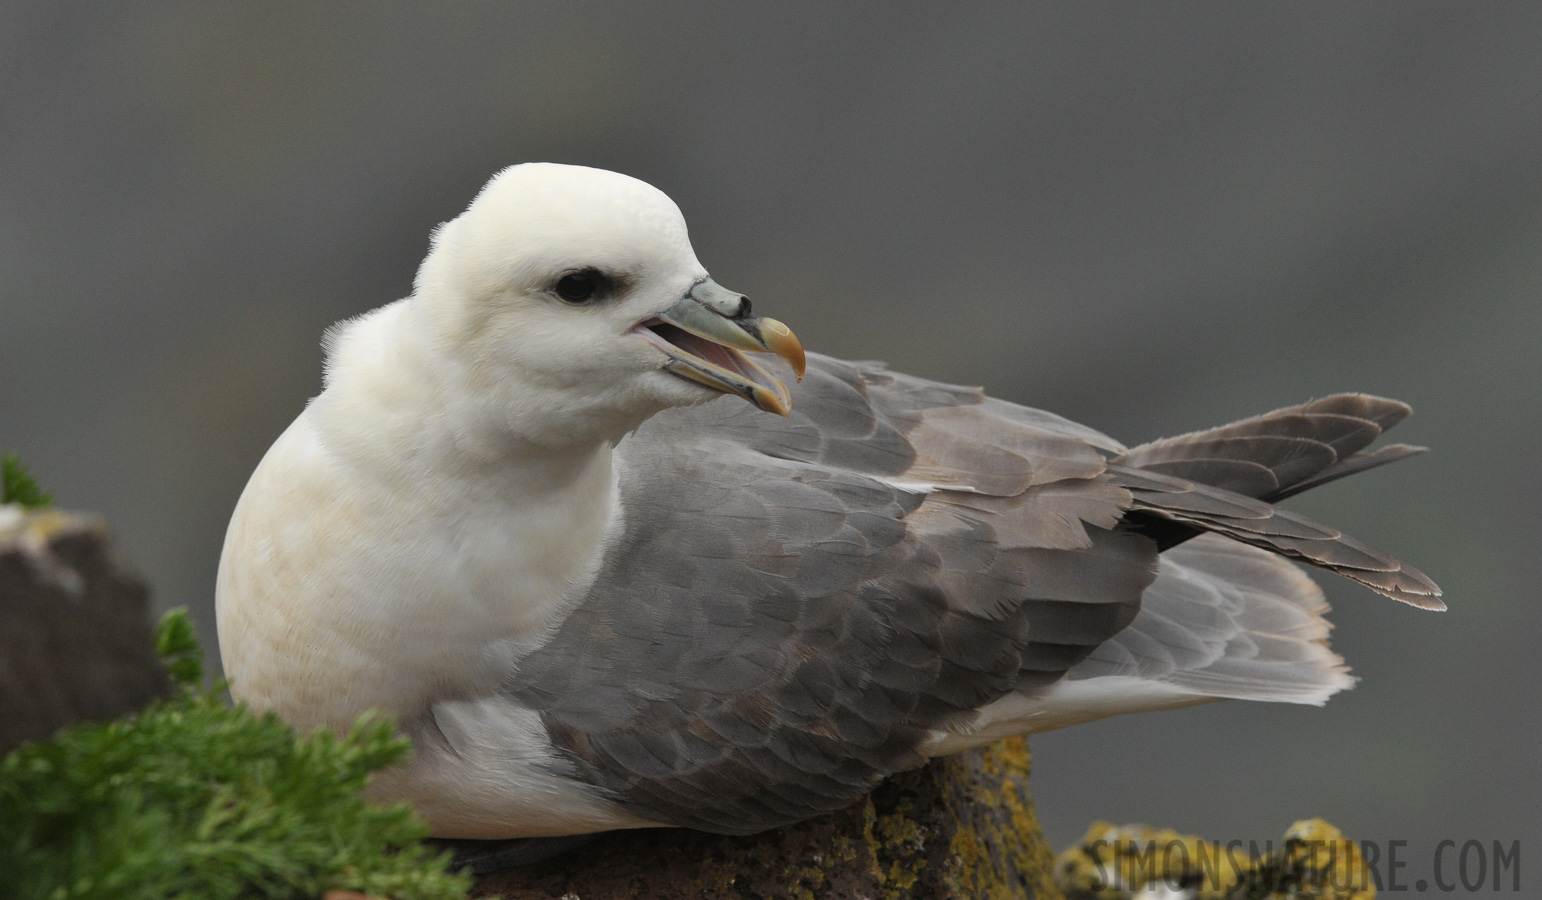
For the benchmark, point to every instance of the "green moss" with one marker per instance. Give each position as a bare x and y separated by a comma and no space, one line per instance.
18,486
193,799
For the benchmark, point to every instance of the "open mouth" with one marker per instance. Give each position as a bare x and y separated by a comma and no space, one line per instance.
716,365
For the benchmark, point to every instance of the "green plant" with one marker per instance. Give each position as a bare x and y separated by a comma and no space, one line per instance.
18,486
191,798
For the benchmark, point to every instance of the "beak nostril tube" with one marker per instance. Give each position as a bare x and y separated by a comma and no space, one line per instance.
720,300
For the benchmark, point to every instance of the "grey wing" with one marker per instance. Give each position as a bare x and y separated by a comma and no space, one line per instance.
798,608
790,614
1227,621
1222,621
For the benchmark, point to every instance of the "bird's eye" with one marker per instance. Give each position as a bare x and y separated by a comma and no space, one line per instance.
578,287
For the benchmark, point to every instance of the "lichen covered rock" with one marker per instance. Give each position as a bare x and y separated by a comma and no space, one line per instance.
961,828
1133,862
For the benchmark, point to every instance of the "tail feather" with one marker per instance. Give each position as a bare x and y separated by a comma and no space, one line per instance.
1226,479
1172,510
1358,462
1272,455
1346,556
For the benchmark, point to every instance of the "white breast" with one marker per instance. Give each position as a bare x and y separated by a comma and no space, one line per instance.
367,565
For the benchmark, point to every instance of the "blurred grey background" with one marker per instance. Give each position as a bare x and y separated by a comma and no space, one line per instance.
1148,218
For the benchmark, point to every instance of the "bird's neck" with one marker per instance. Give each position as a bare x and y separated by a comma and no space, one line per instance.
395,400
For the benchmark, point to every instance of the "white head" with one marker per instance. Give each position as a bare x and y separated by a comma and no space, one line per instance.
572,295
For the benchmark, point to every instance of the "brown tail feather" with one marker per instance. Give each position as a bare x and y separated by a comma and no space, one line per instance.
1171,510
1280,453
1359,462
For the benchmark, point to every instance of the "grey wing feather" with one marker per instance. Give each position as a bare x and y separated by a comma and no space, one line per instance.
1224,620
787,615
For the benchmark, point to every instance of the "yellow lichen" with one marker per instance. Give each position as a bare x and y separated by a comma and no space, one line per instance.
900,879
994,859
972,874
1007,759
900,831
1318,863
803,880
842,849
899,842
1113,862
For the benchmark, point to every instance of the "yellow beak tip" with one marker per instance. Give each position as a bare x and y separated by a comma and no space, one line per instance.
779,339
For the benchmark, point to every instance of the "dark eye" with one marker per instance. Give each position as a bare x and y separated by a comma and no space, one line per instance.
578,287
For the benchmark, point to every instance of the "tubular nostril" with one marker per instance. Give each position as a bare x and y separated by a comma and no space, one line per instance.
720,300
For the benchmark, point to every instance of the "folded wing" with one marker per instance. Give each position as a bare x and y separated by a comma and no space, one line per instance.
797,608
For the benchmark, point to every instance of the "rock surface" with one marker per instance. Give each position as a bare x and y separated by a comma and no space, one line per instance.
76,642
961,827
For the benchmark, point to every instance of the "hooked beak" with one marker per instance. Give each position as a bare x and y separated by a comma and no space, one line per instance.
703,334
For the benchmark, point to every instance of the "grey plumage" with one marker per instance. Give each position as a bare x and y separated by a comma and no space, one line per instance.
795,607
1228,621
1282,453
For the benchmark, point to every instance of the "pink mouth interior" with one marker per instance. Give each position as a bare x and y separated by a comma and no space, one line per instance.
701,348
